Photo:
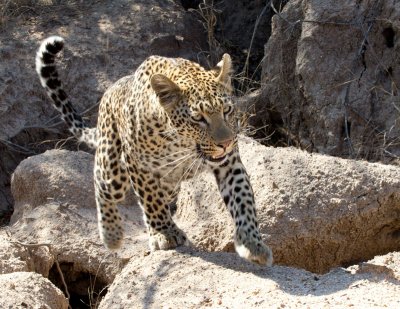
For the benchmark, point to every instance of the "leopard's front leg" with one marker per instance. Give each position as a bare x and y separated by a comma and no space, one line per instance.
235,188
155,197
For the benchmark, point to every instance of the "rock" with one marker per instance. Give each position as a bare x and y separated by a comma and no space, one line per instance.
15,257
30,290
339,211
315,211
114,38
59,176
12,257
54,204
330,81
188,279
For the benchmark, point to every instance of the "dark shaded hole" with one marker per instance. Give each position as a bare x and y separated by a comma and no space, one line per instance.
396,234
268,129
351,262
190,4
85,289
388,34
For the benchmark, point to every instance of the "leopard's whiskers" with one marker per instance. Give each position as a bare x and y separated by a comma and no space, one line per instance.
185,174
177,160
198,165
183,160
175,153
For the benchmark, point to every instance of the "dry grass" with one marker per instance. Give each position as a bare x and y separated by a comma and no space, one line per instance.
11,9
16,8
208,13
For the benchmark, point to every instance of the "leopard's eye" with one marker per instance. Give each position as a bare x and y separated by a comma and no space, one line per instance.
228,109
198,118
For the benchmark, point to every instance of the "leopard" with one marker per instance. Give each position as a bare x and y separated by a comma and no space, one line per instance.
156,128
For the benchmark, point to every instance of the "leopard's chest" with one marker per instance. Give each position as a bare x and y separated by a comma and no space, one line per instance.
168,157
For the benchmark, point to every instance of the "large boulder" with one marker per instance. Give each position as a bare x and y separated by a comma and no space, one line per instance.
330,77
30,290
55,220
315,211
188,279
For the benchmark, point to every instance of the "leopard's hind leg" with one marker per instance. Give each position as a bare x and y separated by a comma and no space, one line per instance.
111,184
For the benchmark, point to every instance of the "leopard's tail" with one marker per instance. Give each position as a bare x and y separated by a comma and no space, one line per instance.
45,67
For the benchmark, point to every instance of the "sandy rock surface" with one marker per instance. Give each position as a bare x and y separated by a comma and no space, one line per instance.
331,82
30,290
12,257
315,211
15,257
188,279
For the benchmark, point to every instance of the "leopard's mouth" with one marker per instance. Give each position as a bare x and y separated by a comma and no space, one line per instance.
216,158
210,158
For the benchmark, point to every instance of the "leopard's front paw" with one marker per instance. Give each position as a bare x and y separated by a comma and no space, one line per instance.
168,239
252,249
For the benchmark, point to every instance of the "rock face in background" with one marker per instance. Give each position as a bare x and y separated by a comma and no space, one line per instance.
315,211
331,82
104,42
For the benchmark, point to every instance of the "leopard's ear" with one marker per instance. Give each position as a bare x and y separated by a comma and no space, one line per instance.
224,68
167,91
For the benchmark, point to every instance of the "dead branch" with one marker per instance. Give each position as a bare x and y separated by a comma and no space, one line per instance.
49,246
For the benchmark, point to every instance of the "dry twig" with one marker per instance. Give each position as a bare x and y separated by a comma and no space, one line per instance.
50,248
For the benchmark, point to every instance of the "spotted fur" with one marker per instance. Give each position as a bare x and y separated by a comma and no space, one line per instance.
169,120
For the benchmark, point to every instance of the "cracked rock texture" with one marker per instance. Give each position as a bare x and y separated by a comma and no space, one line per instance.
54,204
315,211
330,84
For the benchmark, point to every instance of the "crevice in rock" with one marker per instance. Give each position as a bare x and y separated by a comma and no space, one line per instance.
86,290
388,33
190,4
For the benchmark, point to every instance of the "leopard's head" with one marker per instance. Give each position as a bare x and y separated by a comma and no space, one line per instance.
199,105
